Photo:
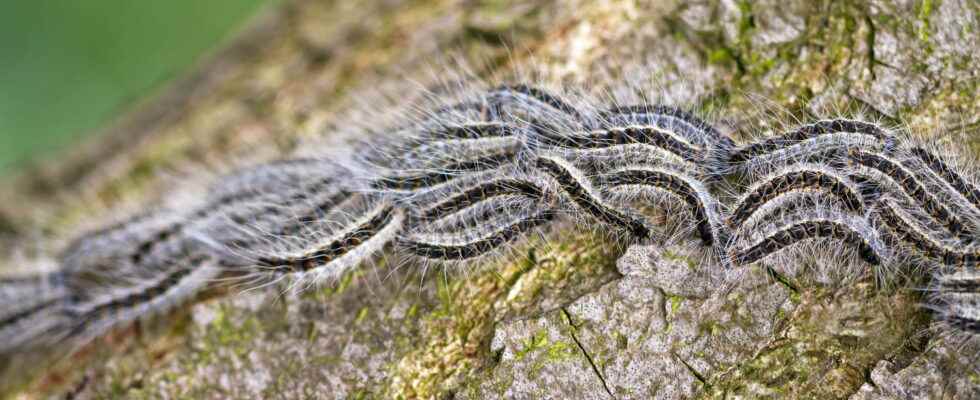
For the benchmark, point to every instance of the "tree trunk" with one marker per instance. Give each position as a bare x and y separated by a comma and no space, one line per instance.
578,318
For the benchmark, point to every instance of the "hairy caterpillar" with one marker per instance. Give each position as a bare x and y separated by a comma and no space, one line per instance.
967,190
824,144
847,229
809,132
915,190
450,249
703,205
647,135
574,184
504,164
793,179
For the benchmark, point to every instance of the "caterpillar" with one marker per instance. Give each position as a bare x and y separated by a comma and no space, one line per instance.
810,132
671,119
507,163
911,233
915,189
969,191
579,190
373,222
692,192
847,229
795,178
647,135
828,146
451,248
956,295
481,192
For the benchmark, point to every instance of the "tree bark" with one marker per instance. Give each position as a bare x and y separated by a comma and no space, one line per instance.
581,318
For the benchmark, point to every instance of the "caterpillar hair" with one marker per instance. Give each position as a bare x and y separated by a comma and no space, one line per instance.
956,299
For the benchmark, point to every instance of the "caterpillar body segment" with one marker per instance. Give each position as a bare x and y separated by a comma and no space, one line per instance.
829,149
531,95
959,189
271,177
115,258
406,172
318,242
519,103
944,171
30,305
444,144
414,181
924,243
364,229
956,299
959,281
271,220
474,131
467,196
155,297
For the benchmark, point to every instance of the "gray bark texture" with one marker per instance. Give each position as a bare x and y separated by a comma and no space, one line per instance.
578,318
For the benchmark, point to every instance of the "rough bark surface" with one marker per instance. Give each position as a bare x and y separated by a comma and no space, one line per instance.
580,318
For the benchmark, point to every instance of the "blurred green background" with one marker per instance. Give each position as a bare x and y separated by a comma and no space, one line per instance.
67,66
